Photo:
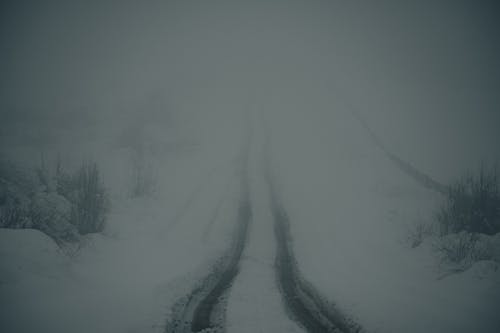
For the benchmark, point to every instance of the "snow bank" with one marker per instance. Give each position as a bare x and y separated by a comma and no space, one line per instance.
27,252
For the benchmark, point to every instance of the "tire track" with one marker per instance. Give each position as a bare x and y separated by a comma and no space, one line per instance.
303,302
204,308
201,309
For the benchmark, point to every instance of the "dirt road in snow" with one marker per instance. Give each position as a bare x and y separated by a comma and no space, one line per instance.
303,302
202,308
268,293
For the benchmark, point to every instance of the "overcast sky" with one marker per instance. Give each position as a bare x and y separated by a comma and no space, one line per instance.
408,66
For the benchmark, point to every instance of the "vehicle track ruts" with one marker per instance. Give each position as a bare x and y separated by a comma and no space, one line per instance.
203,308
197,311
302,301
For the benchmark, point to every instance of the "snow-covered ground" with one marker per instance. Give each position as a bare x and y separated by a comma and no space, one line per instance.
152,252
254,303
350,210
162,87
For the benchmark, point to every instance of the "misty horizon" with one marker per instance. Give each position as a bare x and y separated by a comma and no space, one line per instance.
249,166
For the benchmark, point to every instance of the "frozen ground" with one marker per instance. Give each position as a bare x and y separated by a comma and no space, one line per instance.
162,85
254,303
126,279
350,209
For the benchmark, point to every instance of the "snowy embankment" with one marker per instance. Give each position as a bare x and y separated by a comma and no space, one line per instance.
350,209
124,280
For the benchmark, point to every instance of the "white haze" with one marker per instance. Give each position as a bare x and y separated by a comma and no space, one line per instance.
95,80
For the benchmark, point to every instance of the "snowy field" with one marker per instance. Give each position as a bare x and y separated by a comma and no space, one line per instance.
351,217
126,279
181,106
350,212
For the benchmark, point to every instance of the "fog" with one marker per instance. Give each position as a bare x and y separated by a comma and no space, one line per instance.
201,98
431,66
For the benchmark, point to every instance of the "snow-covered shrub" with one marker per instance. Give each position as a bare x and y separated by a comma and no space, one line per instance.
50,213
469,217
15,178
88,197
463,249
494,247
62,205
82,190
43,175
14,213
14,200
472,205
418,231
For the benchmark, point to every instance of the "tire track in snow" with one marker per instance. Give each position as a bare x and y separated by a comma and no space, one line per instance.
198,311
203,312
302,301
203,309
